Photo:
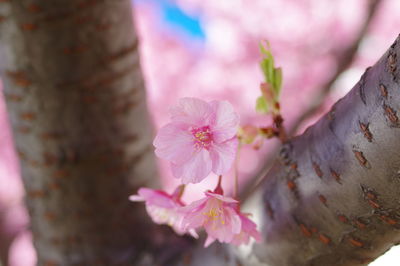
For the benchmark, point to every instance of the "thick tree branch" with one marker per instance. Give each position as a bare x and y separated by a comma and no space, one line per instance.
332,198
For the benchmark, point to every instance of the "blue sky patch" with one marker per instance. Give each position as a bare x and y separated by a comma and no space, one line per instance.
176,19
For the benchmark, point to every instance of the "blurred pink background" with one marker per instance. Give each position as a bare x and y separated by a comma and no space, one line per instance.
209,49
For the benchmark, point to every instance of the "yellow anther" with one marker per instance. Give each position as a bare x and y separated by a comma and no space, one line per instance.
203,137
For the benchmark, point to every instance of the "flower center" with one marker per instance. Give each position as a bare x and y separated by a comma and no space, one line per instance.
202,136
215,212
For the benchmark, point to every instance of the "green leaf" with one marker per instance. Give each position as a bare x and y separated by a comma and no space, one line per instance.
270,75
264,47
277,80
267,63
268,70
262,105
271,88
264,68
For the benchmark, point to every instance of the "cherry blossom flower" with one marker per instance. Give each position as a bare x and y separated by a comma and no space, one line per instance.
163,207
217,214
200,139
249,229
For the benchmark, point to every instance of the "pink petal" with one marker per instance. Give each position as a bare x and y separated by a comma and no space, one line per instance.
192,111
236,222
256,235
192,220
209,241
223,155
221,197
136,198
225,121
157,197
177,225
174,143
194,206
193,233
218,231
250,227
225,227
195,170
192,215
158,214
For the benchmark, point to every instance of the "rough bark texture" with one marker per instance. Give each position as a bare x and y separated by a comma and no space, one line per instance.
333,197
76,101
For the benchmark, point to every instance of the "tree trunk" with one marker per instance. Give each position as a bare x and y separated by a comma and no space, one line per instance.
76,101
333,196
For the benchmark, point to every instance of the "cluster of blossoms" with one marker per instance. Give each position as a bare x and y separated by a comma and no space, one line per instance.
201,138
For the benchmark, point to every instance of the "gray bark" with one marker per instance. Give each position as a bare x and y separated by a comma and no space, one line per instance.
76,101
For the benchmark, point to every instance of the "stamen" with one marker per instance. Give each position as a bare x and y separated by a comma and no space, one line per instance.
202,136
215,212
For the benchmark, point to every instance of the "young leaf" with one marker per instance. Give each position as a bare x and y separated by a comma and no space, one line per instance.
270,74
271,88
262,105
264,47
264,68
277,81
267,63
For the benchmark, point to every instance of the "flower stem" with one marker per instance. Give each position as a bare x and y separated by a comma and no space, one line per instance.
218,189
179,192
278,121
236,186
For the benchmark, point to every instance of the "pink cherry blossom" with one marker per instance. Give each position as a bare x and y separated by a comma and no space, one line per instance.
249,229
217,214
200,139
163,207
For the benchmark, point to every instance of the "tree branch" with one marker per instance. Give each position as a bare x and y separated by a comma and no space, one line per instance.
332,198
